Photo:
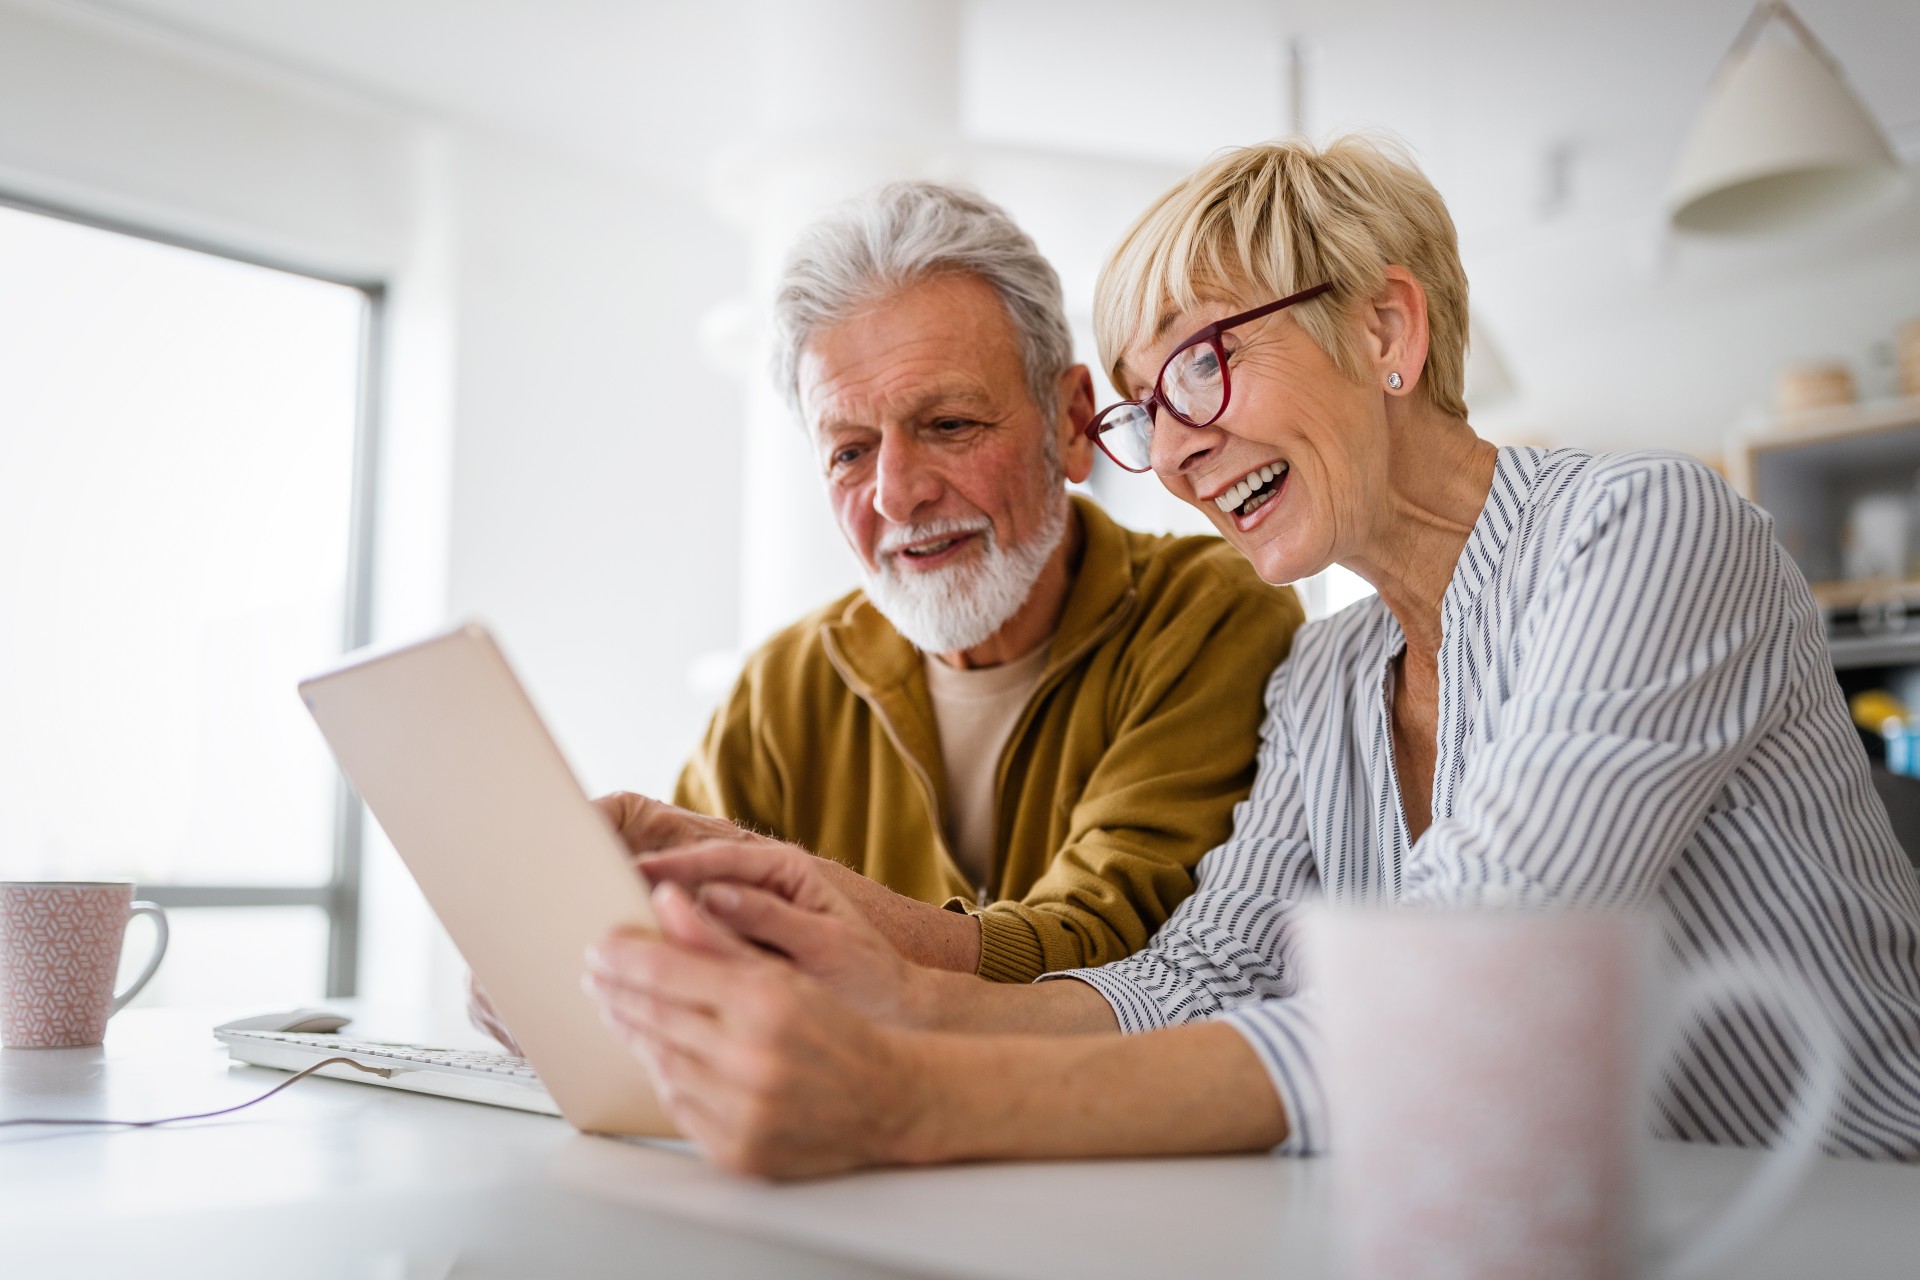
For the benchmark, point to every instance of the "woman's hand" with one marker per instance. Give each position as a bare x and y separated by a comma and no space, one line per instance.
788,901
769,1074
482,1014
763,1069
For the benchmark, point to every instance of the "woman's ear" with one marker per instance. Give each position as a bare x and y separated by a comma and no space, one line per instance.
1396,323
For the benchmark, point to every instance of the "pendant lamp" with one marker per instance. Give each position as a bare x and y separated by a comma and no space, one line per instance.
1782,141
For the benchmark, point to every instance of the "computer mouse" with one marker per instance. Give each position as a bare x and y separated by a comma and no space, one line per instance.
308,1021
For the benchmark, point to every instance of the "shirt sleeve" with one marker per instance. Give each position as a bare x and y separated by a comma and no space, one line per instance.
1232,948
1658,650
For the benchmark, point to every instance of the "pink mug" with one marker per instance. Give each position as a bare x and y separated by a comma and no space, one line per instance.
59,951
1488,1075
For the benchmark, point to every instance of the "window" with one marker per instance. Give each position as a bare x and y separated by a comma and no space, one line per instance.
184,490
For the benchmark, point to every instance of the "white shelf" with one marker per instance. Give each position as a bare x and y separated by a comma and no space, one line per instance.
1821,426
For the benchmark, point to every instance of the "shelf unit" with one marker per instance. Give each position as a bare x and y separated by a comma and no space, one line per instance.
1807,472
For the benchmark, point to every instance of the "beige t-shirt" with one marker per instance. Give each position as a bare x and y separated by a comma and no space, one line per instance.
976,711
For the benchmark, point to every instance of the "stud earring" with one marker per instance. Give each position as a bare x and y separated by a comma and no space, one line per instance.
1393,381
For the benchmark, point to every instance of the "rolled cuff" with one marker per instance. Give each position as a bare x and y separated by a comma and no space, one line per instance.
1009,948
1287,1041
1133,1008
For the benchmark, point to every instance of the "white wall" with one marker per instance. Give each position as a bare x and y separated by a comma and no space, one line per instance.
595,518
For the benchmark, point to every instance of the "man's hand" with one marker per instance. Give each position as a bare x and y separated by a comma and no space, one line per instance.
764,1070
789,901
648,826
924,934
657,833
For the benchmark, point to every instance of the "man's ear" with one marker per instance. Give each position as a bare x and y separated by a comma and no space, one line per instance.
1074,412
1396,321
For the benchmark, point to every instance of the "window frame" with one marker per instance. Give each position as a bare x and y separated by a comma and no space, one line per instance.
340,896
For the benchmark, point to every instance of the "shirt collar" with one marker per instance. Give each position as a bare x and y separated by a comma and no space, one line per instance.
1514,471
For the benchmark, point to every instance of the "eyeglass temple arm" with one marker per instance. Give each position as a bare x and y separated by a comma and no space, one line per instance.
1221,326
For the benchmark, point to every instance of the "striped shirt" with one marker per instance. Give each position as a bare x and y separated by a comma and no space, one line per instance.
1636,709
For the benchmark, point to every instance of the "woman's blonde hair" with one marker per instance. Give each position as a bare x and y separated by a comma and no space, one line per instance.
1258,223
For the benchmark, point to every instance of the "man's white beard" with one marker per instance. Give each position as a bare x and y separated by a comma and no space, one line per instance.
952,609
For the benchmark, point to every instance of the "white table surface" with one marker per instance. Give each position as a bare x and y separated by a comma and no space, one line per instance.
338,1179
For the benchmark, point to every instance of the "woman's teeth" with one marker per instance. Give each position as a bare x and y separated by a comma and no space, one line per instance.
1253,491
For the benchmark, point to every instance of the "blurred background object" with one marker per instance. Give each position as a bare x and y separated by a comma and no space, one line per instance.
1801,387
1782,140
1907,344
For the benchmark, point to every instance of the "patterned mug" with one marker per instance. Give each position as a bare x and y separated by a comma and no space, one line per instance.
1488,1078
59,950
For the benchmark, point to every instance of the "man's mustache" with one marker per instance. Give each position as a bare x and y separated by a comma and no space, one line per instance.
906,535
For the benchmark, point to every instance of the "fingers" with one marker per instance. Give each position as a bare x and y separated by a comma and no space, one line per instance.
684,922
482,1014
781,869
644,823
627,813
617,806
639,1016
703,1107
772,921
648,826
666,970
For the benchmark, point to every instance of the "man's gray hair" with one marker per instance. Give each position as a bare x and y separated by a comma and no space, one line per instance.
902,234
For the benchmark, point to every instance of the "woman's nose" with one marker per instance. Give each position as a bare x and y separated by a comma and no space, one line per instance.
1178,447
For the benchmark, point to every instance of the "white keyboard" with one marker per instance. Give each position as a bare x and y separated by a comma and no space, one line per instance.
497,1079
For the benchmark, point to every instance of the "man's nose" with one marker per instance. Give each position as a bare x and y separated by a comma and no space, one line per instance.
904,482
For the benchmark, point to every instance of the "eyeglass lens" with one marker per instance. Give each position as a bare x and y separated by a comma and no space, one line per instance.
1127,433
1192,384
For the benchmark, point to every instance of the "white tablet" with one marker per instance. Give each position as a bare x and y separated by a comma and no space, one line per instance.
447,750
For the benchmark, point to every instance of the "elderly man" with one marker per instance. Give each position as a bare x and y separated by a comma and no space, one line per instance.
1014,743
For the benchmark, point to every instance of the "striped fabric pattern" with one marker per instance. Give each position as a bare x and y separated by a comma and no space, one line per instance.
1637,710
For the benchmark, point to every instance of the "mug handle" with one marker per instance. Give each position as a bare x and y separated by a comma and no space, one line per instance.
1796,1147
153,962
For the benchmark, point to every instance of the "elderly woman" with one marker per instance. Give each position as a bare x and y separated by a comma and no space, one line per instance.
1585,680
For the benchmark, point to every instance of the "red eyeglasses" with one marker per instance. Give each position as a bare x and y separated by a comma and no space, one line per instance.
1193,387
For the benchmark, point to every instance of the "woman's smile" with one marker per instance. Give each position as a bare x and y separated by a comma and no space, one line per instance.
1260,503
1248,494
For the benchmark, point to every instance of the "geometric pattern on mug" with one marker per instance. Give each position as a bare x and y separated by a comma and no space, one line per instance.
59,950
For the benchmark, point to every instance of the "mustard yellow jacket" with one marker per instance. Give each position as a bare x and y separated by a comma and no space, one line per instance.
1122,771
